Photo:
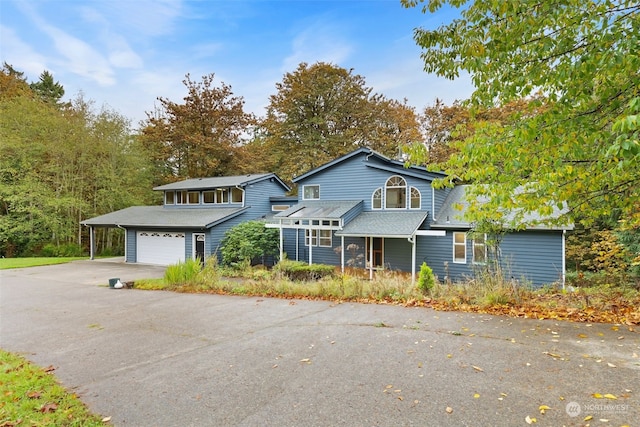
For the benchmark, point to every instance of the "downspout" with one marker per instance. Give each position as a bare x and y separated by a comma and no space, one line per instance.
433,203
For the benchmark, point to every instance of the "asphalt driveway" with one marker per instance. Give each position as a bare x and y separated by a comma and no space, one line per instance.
149,358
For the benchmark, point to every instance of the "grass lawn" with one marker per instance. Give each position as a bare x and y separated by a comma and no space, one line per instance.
31,396
6,263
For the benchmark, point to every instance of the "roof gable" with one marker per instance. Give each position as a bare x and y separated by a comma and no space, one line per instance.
384,163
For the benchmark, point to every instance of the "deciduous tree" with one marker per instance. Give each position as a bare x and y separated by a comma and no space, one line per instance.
581,57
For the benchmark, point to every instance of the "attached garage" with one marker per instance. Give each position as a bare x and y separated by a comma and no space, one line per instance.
161,248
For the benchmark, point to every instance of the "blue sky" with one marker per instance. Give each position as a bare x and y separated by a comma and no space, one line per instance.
125,54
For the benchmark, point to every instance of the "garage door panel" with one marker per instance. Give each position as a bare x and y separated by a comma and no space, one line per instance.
161,248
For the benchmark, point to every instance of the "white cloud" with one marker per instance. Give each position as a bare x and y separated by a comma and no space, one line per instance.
19,54
318,42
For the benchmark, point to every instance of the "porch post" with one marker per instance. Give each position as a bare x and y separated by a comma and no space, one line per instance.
342,254
281,242
92,243
297,244
413,260
370,258
310,244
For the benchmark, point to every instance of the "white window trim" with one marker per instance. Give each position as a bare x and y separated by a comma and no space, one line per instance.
231,191
321,238
386,188
456,261
310,185
485,251
419,198
381,199
166,193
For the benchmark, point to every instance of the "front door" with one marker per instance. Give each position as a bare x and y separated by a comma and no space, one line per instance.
198,245
378,251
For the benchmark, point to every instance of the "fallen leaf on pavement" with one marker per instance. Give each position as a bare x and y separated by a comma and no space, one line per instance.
530,420
449,410
543,408
477,368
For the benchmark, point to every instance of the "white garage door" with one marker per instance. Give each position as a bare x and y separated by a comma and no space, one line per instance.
162,248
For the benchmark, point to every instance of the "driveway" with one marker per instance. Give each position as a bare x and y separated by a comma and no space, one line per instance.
149,358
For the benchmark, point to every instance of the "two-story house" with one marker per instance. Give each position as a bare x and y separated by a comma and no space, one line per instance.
367,210
194,216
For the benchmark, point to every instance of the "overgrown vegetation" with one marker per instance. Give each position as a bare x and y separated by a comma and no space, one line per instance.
249,243
426,280
487,292
30,396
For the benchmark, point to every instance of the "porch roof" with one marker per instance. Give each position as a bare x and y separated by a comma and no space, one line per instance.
319,209
384,224
161,217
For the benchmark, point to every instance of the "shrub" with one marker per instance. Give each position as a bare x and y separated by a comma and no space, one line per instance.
248,242
64,250
298,270
426,280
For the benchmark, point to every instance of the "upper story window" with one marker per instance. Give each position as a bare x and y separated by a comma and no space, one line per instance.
395,193
480,249
415,198
279,208
310,192
376,199
193,197
459,247
237,194
181,197
169,198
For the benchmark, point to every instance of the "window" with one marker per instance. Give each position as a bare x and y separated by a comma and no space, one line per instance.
396,193
415,198
376,199
208,197
311,236
236,195
169,198
325,238
480,249
222,195
459,247
181,197
193,197
279,208
310,192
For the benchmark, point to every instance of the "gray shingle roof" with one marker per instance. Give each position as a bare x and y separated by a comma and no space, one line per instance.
384,224
219,182
450,216
161,217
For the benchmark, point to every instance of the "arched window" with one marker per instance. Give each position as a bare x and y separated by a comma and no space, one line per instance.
396,193
415,198
376,199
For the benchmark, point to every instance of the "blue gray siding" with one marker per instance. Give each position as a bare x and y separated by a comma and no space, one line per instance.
131,246
533,257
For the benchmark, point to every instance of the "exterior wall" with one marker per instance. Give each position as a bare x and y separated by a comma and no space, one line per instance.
352,179
257,196
439,197
130,250
533,257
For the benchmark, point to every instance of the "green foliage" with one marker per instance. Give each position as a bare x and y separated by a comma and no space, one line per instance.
578,142
64,250
426,279
47,89
27,390
60,165
182,273
301,271
249,242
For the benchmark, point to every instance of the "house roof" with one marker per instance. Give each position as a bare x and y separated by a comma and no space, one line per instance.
384,224
161,217
319,209
451,215
220,182
369,152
